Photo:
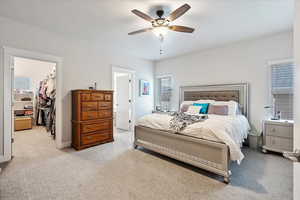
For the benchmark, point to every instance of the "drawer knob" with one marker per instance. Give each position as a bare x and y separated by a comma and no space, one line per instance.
273,130
89,137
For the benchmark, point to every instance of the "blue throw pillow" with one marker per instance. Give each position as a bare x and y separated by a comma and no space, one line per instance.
204,109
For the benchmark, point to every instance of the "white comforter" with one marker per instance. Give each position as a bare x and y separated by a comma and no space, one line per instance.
231,130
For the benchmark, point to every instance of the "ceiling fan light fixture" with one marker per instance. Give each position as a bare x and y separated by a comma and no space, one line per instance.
160,31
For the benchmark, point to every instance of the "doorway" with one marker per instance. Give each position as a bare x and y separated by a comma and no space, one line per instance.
33,110
123,85
21,110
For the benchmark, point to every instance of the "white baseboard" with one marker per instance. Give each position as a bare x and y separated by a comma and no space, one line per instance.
65,145
4,158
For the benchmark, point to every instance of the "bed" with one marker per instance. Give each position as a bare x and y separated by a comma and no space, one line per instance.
204,152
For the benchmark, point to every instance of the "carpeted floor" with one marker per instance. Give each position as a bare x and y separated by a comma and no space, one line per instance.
116,171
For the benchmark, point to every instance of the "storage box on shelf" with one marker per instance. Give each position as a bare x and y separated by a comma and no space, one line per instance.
23,110
23,123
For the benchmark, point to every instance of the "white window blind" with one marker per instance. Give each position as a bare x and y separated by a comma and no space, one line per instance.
164,92
282,79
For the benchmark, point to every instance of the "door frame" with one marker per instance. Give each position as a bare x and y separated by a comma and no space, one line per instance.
118,69
8,55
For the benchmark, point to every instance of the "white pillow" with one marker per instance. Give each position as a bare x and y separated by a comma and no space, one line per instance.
205,101
185,104
193,110
197,101
232,106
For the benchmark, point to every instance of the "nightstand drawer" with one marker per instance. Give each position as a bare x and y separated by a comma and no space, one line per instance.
279,131
279,143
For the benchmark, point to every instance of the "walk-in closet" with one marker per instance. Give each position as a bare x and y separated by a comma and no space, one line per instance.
33,100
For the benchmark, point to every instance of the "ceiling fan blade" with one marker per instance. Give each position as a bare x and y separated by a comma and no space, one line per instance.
140,31
181,29
142,15
179,12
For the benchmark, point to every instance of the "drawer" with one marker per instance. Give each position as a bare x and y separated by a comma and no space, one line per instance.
88,115
105,105
89,106
279,143
105,113
95,137
85,97
99,126
108,97
97,97
279,131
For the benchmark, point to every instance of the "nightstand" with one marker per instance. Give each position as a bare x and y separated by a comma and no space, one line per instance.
278,135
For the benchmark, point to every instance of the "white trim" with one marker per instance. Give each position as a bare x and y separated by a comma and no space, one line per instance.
9,53
65,145
163,75
282,61
115,68
7,118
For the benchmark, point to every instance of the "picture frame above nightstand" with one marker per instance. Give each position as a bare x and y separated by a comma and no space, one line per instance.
278,136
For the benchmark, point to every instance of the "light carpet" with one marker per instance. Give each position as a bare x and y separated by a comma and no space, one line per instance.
116,171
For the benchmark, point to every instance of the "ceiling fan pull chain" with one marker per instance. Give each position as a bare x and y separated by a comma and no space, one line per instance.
161,39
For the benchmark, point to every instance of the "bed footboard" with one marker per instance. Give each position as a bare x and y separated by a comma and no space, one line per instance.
208,155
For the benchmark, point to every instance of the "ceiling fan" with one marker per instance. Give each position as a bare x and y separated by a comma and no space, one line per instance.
160,25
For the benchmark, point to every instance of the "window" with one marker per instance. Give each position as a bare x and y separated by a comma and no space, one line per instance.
282,83
164,92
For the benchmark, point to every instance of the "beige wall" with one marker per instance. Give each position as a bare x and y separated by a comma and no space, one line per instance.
244,61
83,63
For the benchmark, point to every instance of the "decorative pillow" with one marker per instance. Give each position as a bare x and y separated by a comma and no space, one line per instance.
218,110
204,107
232,106
185,105
205,101
193,110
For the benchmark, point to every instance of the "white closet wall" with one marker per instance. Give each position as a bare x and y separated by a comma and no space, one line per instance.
34,69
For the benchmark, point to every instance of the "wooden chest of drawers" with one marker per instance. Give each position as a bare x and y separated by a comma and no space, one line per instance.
278,136
92,118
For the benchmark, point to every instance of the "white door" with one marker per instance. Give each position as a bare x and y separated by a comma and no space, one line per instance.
123,101
7,121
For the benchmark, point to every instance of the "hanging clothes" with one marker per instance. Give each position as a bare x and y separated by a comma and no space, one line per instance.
45,104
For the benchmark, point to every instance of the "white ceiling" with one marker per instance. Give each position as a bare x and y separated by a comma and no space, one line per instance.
217,22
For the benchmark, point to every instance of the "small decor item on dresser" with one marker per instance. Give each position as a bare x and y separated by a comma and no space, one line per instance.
94,87
144,88
92,118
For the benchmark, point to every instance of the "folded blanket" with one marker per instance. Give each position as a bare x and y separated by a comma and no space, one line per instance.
181,120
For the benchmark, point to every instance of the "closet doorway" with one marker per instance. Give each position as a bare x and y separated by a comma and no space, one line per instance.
123,86
32,109
33,100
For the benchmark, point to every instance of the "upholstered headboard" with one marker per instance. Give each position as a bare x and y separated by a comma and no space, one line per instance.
224,92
